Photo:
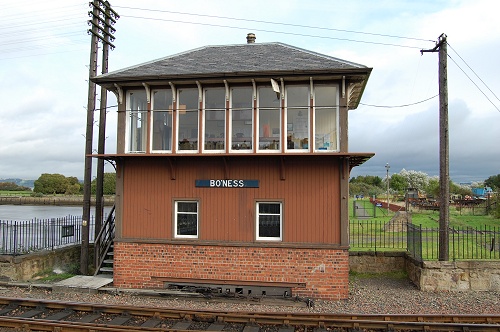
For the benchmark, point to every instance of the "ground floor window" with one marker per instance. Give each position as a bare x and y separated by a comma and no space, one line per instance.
186,219
269,221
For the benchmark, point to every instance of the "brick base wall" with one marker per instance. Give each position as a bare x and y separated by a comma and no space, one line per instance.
324,271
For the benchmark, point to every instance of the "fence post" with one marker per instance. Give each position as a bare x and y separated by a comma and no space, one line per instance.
15,237
52,232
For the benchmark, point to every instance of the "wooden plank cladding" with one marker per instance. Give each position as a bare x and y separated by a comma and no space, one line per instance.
308,189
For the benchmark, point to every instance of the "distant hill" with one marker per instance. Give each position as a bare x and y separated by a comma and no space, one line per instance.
21,182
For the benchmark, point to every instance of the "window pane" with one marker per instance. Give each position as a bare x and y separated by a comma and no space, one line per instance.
269,208
241,118
162,99
269,119
187,207
215,115
187,224
297,101
188,119
162,130
137,121
325,98
162,119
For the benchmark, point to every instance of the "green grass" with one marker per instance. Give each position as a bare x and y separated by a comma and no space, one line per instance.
15,193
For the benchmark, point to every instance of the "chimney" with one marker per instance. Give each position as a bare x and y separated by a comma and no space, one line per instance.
251,38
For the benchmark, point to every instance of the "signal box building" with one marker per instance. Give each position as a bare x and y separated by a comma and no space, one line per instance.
233,168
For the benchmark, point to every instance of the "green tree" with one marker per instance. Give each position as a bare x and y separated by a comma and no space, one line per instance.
398,183
109,184
51,184
368,179
493,182
11,186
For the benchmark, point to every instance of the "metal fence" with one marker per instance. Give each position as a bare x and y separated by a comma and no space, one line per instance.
423,243
23,237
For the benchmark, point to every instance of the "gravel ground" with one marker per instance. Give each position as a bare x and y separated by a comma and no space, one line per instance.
375,295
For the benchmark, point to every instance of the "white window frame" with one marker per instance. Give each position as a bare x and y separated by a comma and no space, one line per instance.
205,112
312,142
176,212
257,215
308,118
230,133
128,125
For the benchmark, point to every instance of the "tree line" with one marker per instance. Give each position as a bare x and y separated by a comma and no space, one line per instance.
370,185
58,184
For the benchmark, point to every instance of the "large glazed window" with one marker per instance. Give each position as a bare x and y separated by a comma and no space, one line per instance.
241,118
297,117
325,118
187,112
137,121
269,221
269,119
215,119
186,219
162,120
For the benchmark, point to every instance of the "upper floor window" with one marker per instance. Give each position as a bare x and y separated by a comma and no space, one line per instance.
241,118
269,113
297,117
137,121
215,119
253,120
187,119
325,118
161,137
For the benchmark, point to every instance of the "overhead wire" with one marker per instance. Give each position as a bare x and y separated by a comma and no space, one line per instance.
274,23
477,86
399,106
270,31
472,70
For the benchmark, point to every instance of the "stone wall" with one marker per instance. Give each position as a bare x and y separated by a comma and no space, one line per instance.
376,262
26,267
455,276
481,275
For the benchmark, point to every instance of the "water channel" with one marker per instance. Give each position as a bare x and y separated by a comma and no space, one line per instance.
29,212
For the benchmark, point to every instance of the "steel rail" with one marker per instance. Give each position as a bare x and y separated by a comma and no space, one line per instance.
28,324
390,321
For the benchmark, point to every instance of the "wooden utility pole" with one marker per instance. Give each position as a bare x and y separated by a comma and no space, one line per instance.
444,155
99,199
101,30
87,178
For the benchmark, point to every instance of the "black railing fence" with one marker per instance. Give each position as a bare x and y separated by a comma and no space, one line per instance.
423,243
23,237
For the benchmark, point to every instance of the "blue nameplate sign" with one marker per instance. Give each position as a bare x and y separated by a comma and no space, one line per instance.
227,183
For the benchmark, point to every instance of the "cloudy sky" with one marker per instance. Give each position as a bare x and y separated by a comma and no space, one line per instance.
44,57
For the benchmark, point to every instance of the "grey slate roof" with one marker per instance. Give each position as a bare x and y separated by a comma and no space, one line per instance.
239,60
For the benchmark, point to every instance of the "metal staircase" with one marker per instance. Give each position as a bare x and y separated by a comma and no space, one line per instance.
103,246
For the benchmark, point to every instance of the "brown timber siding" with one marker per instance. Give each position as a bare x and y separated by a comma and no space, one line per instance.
310,193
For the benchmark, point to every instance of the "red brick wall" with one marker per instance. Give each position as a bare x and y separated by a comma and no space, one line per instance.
324,271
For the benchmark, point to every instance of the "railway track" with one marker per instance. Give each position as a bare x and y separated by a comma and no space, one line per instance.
46,315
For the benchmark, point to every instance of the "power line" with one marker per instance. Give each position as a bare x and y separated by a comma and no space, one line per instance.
270,31
473,83
399,106
473,72
276,23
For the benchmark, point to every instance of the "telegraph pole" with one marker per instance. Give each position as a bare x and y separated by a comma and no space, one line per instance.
110,17
99,31
444,154
84,254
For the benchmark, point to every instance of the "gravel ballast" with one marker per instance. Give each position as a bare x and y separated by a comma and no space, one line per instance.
373,295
